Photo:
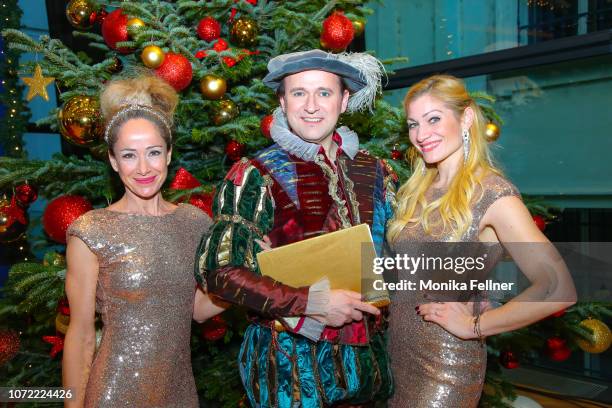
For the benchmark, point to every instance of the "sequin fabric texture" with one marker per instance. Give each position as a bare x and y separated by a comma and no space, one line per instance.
145,296
431,367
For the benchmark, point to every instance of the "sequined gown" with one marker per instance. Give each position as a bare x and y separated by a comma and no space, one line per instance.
431,367
145,296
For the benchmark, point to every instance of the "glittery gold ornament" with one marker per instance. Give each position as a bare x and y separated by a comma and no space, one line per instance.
115,67
359,26
80,122
81,14
152,56
602,336
244,32
134,25
38,84
212,86
492,132
61,323
225,111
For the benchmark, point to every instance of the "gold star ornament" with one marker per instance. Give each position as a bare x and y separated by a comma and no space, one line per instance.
38,84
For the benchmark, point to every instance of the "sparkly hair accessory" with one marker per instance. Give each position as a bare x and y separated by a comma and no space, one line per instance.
124,109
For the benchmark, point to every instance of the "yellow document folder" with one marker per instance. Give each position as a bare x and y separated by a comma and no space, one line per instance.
345,257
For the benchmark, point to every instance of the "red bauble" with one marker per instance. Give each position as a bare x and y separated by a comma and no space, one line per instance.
200,54
265,125
61,212
253,2
229,61
234,150
203,202
9,345
560,313
25,194
63,307
175,70
209,29
338,32
508,360
396,154
557,350
540,222
183,180
214,329
220,45
114,30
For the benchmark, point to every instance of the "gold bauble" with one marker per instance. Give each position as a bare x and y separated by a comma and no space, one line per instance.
152,56
115,67
81,14
134,24
244,32
602,336
225,111
213,86
61,323
80,122
492,132
359,27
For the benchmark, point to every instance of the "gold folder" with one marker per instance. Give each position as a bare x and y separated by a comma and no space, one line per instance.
345,257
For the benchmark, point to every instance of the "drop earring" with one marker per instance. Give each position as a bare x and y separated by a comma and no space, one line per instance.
466,144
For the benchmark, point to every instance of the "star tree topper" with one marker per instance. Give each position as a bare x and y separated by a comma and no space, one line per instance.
38,84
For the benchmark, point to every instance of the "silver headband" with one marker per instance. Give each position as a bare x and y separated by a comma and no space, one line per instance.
134,108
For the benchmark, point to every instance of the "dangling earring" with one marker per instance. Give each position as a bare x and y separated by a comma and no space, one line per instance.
466,144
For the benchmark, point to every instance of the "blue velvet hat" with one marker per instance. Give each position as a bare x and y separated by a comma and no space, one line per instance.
360,72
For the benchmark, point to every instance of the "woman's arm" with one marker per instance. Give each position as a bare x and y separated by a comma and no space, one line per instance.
80,341
206,306
551,290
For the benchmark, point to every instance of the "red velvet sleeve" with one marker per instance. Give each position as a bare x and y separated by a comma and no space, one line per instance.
263,294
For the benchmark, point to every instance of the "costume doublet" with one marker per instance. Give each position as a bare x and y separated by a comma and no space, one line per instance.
290,194
145,296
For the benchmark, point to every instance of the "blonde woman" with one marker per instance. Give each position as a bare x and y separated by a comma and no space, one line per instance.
133,263
456,194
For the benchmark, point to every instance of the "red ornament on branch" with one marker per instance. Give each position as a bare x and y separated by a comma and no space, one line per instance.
220,45
214,329
114,30
396,154
234,150
61,212
540,222
508,360
13,220
265,125
57,342
176,70
9,345
203,202
209,29
26,194
63,307
338,32
184,180
557,350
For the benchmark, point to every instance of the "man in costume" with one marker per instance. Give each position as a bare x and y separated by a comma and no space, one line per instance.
306,347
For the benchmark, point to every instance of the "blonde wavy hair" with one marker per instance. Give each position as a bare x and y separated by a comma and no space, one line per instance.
454,206
146,96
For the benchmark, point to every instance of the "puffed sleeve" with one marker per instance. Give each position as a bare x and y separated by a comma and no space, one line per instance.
227,266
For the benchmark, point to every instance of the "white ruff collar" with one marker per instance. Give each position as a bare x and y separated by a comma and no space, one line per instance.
305,150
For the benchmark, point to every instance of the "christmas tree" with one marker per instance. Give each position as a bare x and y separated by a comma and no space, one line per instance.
214,53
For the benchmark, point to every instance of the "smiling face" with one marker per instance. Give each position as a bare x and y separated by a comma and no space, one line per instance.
141,158
313,102
434,129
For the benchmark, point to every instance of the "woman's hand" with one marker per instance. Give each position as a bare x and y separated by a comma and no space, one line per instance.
454,317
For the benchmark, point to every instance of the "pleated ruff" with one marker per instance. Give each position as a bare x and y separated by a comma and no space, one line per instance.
319,374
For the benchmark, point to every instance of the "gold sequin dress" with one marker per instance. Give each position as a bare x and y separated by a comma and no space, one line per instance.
431,367
145,296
